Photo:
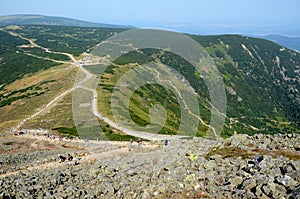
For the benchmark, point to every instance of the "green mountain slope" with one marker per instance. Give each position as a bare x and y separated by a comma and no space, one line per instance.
261,78
17,55
264,76
14,61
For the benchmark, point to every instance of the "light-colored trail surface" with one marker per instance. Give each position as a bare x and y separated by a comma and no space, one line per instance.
102,150
184,102
54,101
48,106
81,85
141,134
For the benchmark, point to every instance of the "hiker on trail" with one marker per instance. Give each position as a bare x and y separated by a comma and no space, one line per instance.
77,158
61,158
70,158
139,141
131,141
166,142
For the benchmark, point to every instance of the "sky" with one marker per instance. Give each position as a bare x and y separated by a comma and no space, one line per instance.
196,16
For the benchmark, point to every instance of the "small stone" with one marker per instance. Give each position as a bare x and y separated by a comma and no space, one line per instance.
295,193
209,165
287,181
251,195
197,187
274,190
269,188
217,158
146,195
236,181
295,175
200,175
287,168
249,184
190,178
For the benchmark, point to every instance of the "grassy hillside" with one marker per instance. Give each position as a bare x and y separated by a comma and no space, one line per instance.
13,60
33,91
261,80
18,57
264,75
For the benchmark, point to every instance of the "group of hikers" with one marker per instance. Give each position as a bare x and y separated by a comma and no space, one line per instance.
60,137
139,142
69,158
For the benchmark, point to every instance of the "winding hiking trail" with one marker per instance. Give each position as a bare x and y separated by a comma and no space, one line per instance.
33,44
48,106
141,134
88,77
184,102
96,149
53,102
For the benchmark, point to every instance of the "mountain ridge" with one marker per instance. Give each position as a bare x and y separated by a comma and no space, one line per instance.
37,19
289,42
261,78
30,19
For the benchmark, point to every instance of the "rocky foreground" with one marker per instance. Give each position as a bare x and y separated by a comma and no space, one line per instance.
262,166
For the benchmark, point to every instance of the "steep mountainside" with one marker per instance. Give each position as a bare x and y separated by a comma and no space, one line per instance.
261,78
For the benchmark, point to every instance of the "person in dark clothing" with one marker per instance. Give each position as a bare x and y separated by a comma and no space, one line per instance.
70,158
166,142
139,141
61,158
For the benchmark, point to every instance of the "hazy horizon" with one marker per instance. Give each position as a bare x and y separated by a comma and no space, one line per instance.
197,17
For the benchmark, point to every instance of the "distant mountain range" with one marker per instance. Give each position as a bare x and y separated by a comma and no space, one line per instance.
289,42
30,19
49,20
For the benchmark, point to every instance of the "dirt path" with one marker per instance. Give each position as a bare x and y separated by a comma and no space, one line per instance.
88,77
184,102
49,165
53,102
48,106
33,44
102,150
48,59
